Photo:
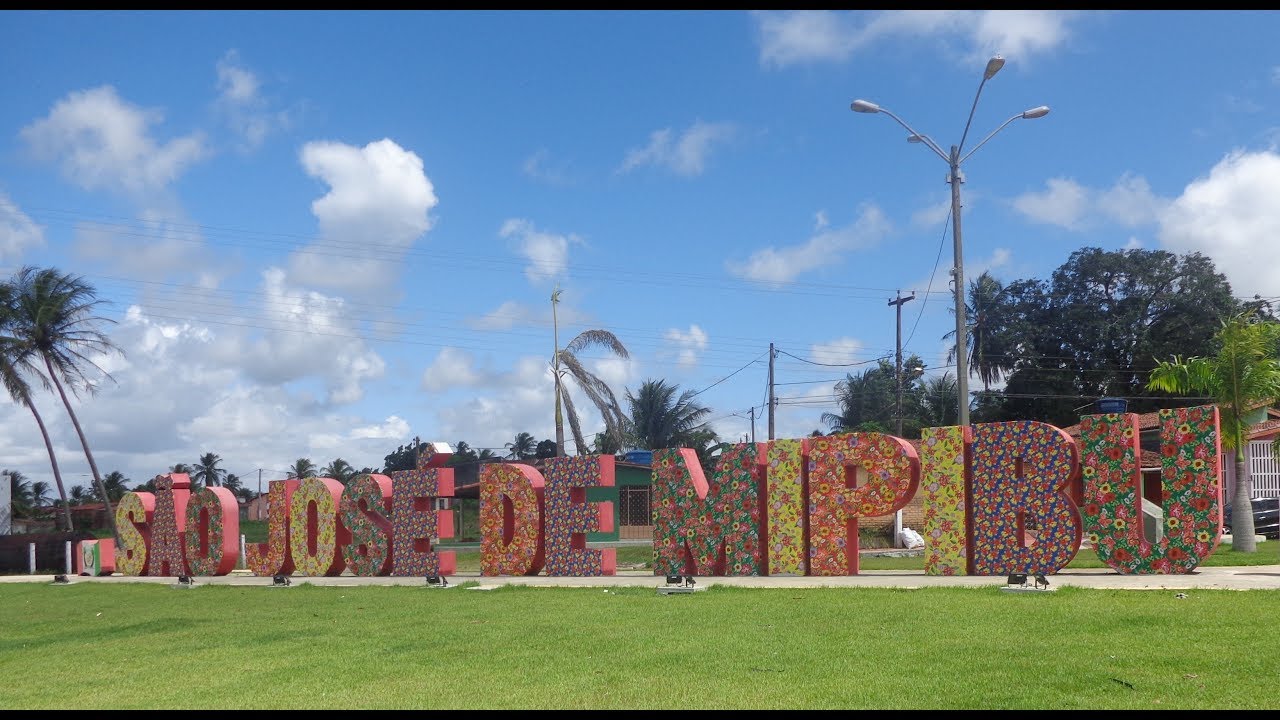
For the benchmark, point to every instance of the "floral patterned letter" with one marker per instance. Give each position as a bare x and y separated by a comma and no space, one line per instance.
165,554
1191,481
273,557
315,535
696,523
569,516
365,507
510,520
212,535
942,477
1022,520
414,522
134,515
786,508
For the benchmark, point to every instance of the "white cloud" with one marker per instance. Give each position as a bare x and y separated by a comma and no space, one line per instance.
780,265
104,142
807,36
548,253
1133,244
245,109
17,231
840,351
157,244
505,316
1063,203
376,208
686,155
821,221
936,214
538,166
452,368
1231,216
688,344
1066,203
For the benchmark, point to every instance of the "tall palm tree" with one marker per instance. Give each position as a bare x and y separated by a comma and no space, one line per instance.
990,337
53,314
207,472
660,420
233,483
79,495
339,470
17,360
522,448
1244,372
302,468
566,361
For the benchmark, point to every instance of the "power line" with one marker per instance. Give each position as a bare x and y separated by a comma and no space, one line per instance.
726,377
852,364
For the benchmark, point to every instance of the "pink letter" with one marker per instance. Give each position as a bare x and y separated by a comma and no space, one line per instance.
165,556
273,557
365,505
511,498
413,519
212,534
569,516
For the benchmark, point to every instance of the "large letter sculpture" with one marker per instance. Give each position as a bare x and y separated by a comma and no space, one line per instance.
415,520
315,535
703,528
1023,521
1191,480
835,504
212,534
511,502
787,531
365,507
273,557
569,516
943,480
134,515
165,556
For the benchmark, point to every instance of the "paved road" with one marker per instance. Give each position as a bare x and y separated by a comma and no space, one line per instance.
1260,577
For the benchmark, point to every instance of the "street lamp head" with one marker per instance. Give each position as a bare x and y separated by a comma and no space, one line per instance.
863,106
1036,112
993,67
915,138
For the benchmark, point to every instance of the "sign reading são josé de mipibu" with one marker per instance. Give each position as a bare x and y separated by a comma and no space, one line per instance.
994,497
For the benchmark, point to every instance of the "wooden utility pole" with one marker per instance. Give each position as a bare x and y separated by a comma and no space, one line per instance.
772,400
898,302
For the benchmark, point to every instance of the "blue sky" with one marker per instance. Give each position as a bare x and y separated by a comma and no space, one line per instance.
323,234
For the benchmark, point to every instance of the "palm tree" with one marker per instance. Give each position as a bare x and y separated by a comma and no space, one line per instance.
1244,373
339,470
661,420
938,406
19,492
207,472
302,468
522,448
40,495
865,400
596,390
232,482
79,495
991,347
486,454
53,316
16,360
115,483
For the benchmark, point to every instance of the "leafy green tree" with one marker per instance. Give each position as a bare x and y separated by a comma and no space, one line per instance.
522,448
302,468
1243,373
938,406
1096,327
207,472
404,458
40,495
462,453
54,318
79,495
546,449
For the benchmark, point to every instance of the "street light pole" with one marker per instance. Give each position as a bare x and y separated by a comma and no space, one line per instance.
954,159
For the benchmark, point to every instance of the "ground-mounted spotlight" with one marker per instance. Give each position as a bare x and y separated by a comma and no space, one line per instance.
678,584
60,579
1017,582
186,581
280,581
437,581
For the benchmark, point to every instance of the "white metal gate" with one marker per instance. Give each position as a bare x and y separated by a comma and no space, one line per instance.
1264,468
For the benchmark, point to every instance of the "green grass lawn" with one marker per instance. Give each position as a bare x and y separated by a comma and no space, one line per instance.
126,646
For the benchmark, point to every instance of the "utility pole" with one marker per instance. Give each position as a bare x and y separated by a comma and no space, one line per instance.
259,482
898,302
753,423
772,401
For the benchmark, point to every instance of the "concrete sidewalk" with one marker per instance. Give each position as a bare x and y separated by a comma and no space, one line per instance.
1257,577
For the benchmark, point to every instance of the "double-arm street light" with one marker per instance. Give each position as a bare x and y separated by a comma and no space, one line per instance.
954,160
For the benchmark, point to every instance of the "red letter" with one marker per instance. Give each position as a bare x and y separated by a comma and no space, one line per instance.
511,498
165,556
569,516
212,535
413,519
365,505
